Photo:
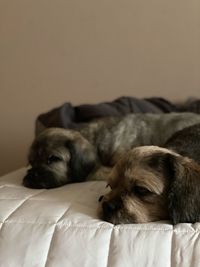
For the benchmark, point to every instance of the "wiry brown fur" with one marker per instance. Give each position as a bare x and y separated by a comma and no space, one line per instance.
151,183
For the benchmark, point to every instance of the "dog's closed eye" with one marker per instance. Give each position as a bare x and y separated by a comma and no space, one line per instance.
141,191
52,158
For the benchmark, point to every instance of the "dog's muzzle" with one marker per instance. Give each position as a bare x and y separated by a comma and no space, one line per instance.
39,178
109,208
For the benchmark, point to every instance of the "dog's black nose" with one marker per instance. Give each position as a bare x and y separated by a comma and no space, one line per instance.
110,206
33,178
33,172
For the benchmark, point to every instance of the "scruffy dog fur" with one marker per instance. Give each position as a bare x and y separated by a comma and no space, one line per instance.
151,183
58,156
186,142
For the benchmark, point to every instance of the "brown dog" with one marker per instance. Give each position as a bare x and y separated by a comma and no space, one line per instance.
151,183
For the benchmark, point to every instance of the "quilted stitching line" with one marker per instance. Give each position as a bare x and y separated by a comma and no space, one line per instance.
173,258
11,214
196,231
21,204
109,248
50,245
193,253
51,241
63,214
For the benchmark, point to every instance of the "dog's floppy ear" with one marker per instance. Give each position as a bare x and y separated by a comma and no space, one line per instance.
162,163
184,191
83,159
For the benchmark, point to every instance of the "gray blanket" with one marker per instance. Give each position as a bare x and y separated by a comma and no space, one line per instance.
69,116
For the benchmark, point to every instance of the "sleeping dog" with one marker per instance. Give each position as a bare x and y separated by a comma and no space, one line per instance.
59,156
151,183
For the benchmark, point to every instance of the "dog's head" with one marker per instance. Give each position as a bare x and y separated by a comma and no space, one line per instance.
57,157
150,184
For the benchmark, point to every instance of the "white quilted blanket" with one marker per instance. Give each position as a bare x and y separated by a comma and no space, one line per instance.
60,228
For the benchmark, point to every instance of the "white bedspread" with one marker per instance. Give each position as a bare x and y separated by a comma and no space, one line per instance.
60,228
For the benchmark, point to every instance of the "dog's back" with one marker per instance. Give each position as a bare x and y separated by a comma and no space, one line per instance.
186,142
115,135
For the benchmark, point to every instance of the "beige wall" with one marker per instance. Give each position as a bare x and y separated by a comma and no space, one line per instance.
90,51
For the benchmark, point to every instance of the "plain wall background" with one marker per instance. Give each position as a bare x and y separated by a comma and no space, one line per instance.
90,51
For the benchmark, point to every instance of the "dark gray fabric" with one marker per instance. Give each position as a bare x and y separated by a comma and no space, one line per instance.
69,116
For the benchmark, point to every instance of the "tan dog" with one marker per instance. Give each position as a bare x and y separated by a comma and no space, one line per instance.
151,183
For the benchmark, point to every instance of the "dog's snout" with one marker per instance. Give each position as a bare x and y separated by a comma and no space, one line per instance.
33,172
33,178
110,206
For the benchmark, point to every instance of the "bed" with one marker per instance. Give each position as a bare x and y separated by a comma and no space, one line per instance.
60,228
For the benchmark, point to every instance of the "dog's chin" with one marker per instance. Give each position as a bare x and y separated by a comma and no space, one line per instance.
46,179
116,218
123,219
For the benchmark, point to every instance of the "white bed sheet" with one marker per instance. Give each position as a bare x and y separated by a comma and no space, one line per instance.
60,228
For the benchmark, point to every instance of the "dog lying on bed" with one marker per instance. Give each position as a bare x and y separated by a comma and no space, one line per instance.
151,183
59,156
